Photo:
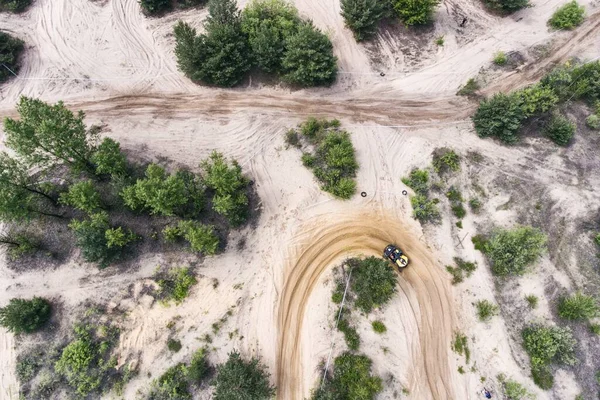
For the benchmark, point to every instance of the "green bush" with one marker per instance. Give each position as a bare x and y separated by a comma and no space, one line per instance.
171,385
109,159
82,196
595,329
593,122
154,7
118,237
202,238
468,88
577,307
568,16
445,160
173,345
597,239
537,99
177,284
241,379
548,344
351,379
379,327
453,194
418,180
475,204
230,185
499,117
513,390
542,377
486,310
293,139
459,210
171,233
507,6
532,301
362,16
512,251
351,335
415,12
373,283
424,210
308,59
500,58
10,48
268,24
199,368
559,129
25,316
91,238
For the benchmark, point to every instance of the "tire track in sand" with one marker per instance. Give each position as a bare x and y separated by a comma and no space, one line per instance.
327,241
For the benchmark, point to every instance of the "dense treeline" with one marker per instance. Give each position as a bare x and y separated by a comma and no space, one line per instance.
268,35
10,51
96,191
502,116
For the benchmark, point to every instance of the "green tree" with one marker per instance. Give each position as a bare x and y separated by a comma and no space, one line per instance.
362,16
238,379
578,306
10,51
171,385
91,238
109,159
568,16
308,59
559,129
351,379
187,48
512,251
499,117
46,134
373,283
202,238
14,6
25,316
82,196
159,192
415,12
154,7
229,184
268,23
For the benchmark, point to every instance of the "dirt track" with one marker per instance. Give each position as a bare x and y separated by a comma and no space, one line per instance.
331,239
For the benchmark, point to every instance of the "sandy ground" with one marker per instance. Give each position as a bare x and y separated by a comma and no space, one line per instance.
118,66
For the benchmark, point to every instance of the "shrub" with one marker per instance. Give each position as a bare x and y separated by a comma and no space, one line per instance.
25,316
268,24
418,180
537,99
532,301
445,160
459,211
513,390
547,344
507,6
379,327
512,251
350,333
500,58
91,238
229,184
486,310
559,129
424,210
199,368
468,88
82,196
202,238
454,194
173,345
308,59
171,385
568,16
109,159
171,233
475,204
593,121
439,41
292,139
362,16
373,283
177,284
499,117
577,306
241,379
351,379
415,12
10,52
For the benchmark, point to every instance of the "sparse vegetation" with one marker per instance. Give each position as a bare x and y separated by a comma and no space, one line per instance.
379,327
486,310
578,306
173,345
332,160
461,347
462,268
500,58
512,251
469,88
532,301
351,379
568,16
475,204
25,316
513,390
10,47
351,335
242,379
439,41
176,284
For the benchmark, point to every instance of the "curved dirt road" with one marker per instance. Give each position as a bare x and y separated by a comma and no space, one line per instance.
334,237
